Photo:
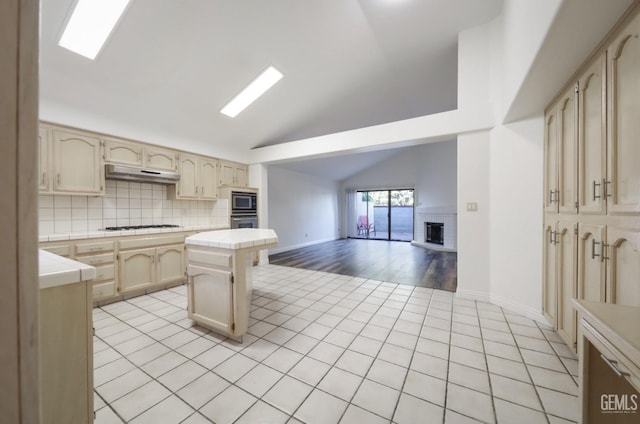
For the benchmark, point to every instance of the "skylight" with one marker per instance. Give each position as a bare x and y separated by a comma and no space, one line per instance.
90,25
257,88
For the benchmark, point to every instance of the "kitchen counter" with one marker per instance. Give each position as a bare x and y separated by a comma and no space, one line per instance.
239,238
103,233
57,271
609,355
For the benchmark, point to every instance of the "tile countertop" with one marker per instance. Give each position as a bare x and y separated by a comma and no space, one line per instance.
235,239
56,270
103,233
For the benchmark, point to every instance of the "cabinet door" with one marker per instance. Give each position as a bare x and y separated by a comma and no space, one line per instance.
242,177
208,179
158,158
592,138
66,354
550,162
550,274
122,152
170,264
568,153
136,268
591,267
43,159
623,282
567,250
77,163
210,298
227,173
624,124
188,184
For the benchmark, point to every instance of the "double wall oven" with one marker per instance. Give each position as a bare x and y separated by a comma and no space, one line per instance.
244,209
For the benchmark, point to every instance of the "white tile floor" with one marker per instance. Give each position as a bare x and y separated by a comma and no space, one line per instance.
327,348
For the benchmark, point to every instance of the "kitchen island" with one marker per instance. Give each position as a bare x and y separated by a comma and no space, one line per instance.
219,277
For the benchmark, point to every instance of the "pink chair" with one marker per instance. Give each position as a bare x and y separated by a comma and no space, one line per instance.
363,226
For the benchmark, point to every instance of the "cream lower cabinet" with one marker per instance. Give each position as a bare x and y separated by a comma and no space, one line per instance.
66,354
560,287
211,298
609,264
101,255
139,269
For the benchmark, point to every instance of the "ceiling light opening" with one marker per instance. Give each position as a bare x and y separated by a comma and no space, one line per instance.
255,89
90,25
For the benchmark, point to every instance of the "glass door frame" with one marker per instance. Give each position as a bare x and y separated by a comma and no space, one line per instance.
364,226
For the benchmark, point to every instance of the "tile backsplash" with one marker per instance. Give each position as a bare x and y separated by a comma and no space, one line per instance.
125,203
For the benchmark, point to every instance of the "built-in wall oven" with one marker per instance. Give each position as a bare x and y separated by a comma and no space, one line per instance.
244,209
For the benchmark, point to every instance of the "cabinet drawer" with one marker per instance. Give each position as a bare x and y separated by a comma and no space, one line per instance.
224,260
104,290
102,246
94,260
63,250
138,243
105,272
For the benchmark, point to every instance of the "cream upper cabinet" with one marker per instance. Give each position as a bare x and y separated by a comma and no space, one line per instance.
77,163
44,173
159,158
187,187
198,178
123,152
622,256
592,138
208,172
567,189
233,174
551,161
624,121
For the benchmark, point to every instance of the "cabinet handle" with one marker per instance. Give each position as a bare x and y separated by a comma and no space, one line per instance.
606,188
551,237
202,190
603,257
44,178
593,249
58,177
614,366
594,190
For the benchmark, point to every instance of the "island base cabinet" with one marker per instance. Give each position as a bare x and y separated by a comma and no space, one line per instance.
210,294
66,354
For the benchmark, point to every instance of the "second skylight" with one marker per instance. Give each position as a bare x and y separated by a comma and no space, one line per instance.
255,89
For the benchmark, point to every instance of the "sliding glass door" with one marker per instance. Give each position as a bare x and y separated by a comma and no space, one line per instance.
384,214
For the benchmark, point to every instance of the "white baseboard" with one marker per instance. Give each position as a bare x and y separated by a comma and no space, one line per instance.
510,305
298,246
473,295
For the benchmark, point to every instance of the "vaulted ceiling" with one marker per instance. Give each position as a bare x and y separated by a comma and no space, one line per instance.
169,66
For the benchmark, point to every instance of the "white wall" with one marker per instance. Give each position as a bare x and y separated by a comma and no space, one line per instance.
516,157
474,252
303,209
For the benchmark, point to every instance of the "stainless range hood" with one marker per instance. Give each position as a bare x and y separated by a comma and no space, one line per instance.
130,173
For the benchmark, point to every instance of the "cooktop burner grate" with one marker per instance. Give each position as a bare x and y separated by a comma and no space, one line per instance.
140,227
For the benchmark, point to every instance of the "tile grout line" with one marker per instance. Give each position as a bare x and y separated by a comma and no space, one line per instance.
544,411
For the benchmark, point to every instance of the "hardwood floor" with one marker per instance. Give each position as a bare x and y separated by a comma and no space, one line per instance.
399,262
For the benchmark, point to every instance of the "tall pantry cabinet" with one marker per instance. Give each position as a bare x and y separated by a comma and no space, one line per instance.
592,183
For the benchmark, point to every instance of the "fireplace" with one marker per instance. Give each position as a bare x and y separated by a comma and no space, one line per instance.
434,232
